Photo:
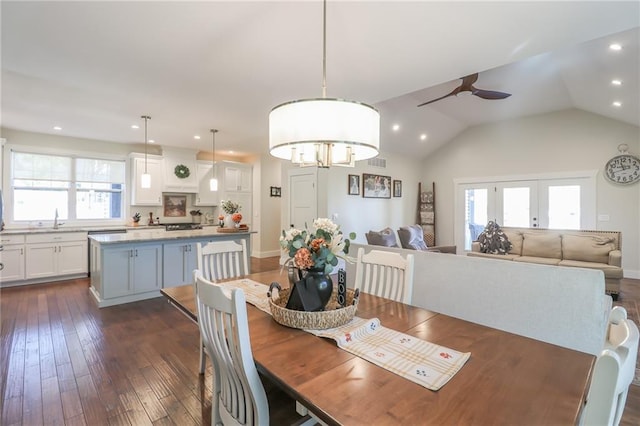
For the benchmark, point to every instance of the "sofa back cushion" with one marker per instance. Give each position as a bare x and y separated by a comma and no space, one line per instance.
587,248
385,237
515,237
412,237
542,244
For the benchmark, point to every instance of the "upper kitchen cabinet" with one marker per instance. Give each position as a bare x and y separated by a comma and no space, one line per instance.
146,196
237,177
180,170
205,197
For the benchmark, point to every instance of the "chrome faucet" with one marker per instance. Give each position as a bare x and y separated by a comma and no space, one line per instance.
56,225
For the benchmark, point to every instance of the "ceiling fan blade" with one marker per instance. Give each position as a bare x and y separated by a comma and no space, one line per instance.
467,82
452,93
489,94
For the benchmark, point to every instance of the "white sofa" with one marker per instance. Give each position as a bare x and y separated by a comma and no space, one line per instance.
563,306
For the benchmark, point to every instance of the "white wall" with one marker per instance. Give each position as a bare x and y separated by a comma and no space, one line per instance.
569,140
266,173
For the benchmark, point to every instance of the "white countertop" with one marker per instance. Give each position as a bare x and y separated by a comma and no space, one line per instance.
160,234
64,228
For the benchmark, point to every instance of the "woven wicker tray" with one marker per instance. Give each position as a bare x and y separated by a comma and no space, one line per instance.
332,316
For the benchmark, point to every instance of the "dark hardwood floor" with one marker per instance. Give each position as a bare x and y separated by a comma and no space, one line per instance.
66,362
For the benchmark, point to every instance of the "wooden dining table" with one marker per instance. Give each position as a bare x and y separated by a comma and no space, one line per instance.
508,380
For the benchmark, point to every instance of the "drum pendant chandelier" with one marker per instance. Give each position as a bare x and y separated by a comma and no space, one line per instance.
324,132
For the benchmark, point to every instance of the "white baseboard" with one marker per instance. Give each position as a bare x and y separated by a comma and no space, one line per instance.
632,274
263,254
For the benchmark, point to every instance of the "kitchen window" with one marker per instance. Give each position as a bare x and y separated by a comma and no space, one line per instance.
78,188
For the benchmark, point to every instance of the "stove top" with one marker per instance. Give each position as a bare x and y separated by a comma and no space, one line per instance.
182,226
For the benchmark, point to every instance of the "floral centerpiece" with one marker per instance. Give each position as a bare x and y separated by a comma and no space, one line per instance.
229,207
319,248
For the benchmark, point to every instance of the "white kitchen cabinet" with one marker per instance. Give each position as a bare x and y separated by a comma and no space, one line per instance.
146,196
12,258
179,261
180,170
205,197
56,254
129,269
237,177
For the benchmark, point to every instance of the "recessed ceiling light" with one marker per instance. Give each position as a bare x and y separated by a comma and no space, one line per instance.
615,46
617,104
152,141
423,137
135,126
57,128
396,127
230,152
616,82
196,137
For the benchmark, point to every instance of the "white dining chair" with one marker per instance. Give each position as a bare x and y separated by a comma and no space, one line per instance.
385,274
613,372
238,396
220,260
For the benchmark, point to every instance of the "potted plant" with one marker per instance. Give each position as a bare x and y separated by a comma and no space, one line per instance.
229,208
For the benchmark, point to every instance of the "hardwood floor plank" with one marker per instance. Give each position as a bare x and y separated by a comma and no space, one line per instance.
51,402
94,411
32,397
134,409
147,397
177,412
71,404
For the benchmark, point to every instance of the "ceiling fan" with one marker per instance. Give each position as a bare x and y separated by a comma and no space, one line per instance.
467,86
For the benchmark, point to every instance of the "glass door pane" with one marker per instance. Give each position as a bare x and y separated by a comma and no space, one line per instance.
476,213
517,204
564,207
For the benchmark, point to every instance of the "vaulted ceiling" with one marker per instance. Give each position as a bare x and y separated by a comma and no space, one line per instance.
93,68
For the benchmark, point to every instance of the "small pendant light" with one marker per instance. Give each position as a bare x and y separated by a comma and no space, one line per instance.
213,183
145,179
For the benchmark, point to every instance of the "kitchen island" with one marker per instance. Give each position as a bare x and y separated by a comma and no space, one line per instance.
136,265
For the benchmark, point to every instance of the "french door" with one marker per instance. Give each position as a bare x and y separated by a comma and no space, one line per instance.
565,203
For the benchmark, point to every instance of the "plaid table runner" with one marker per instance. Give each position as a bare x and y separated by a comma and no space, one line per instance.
422,362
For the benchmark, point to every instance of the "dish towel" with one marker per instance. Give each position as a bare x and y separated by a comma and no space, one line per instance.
422,362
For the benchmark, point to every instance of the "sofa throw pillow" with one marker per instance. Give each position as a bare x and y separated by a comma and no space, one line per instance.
493,240
412,237
385,237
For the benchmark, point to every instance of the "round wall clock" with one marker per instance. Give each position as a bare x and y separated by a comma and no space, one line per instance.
182,171
623,168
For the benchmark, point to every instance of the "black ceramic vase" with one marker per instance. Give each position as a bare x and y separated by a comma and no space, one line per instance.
311,289
322,282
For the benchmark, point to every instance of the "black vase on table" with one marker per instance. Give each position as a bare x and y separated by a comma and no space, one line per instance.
310,289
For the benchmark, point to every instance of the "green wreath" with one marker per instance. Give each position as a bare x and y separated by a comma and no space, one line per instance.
182,171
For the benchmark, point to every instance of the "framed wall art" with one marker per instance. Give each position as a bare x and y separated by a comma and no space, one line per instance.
376,186
397,188
353,187
175,205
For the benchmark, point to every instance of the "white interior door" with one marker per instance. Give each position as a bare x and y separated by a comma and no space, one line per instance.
303,200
